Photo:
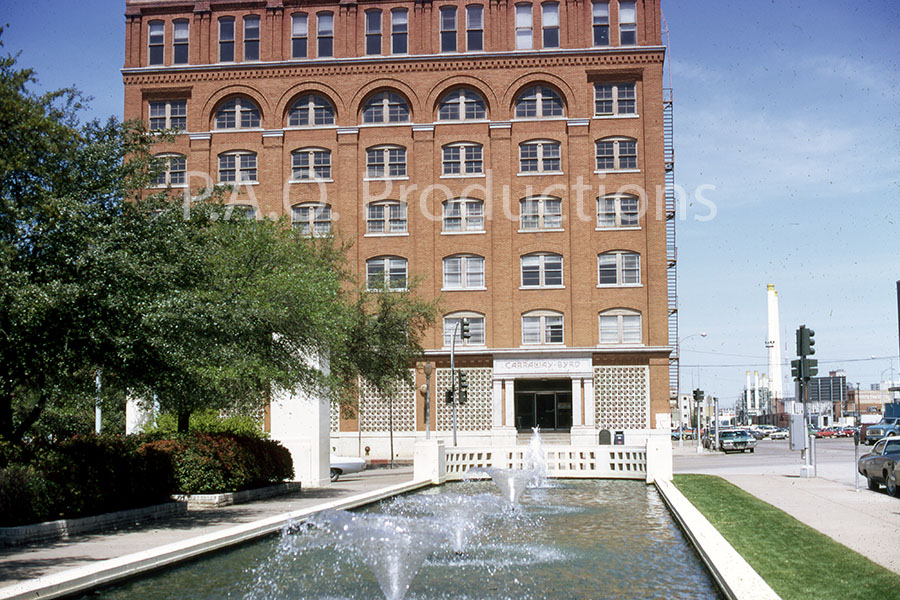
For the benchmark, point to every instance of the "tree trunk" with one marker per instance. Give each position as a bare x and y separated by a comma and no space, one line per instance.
184,422
6,417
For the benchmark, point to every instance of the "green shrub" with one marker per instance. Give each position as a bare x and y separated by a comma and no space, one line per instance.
209,421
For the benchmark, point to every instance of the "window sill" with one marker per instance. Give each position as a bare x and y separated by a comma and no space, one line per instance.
540,173
237,183
396,124
460,346
380,235
543,345
479,232
460,121
238,130
387,290
619,285
542,287
466,289
308,127
558,229
404,178
620,345
166,186
293,181
629,228
605,171
464,176
617,116
538,119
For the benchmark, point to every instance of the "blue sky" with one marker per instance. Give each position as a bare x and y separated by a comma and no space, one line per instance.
790,109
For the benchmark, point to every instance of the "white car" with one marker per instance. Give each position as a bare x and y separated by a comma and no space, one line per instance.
779,434
342,465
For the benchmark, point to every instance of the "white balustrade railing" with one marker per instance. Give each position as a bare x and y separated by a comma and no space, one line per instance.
601,462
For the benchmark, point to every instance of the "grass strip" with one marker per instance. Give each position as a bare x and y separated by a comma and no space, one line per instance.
796,560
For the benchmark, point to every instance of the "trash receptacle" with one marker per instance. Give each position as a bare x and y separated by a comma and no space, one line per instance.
619,438
605,437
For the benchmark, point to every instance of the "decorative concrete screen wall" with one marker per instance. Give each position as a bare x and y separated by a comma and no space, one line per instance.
622,397
475,414
335,417
374,408
604,462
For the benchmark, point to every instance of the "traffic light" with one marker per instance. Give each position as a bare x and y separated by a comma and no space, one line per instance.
810,368
464,332
797,370
698,396
805,341
463,387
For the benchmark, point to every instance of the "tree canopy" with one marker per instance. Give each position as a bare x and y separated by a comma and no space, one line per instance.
184,305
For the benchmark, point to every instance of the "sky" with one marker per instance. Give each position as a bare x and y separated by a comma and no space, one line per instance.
787,146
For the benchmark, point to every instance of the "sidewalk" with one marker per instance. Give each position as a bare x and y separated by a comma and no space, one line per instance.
26,563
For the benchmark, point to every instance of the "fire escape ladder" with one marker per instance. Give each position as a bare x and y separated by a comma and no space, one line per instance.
671,246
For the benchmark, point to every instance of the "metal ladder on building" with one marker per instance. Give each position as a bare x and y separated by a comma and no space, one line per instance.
671,201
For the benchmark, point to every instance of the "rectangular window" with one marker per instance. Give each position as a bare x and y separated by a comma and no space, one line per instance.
601,23
631,329
251,38
524,36
475,28
550,24
171,114
628,154
373,32
614,99
299,36
531,330
448,29
180,42
631,268
325,34
388,217
399,31
553,330
157,38
226,40
627,23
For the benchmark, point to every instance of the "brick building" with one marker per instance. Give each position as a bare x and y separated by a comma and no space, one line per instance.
508,156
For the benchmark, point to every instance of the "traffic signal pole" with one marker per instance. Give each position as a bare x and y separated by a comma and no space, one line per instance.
803,369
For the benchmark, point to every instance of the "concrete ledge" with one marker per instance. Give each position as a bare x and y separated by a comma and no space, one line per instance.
81,579
735,576
200,501
62,529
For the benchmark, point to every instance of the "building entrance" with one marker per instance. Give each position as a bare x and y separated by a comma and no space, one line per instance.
546,404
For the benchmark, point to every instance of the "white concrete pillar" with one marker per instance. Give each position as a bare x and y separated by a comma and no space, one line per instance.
659,456
509,419
577,399
497,404
590,404
137,415
430,461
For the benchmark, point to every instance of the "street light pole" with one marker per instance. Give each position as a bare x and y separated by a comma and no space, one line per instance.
678,390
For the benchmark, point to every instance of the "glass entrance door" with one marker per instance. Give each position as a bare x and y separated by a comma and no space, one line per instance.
544,404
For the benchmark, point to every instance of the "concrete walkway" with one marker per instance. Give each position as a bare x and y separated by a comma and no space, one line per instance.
22,564
865,521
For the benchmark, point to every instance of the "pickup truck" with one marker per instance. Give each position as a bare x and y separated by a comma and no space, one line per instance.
888,426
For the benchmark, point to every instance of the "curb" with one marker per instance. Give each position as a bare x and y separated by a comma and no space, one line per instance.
200,501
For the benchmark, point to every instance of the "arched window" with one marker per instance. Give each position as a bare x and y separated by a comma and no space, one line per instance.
476,329
385,107
538,213
373,31
542,270
462,104
226,39
618,211
619,268
542,327
237,166
312,218
156,39
538,101
462,159
540,156
464,272
299,35
310,164
251,37
238,113
309,110
325,34
386,271
620,326
463,215
173,170
386,161
181,29
616,153
386,217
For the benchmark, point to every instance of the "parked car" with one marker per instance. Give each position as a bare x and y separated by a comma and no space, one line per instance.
736,440
779,434
827,432
343,465
880,465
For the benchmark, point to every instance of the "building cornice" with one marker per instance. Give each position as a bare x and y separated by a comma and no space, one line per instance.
552,351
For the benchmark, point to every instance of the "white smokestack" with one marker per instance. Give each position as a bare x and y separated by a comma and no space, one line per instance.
749,393
773,344
756,389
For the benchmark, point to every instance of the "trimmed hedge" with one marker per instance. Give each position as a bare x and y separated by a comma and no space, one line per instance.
89,475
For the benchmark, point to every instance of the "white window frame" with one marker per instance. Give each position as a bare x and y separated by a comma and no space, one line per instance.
539,92
627,266
469,268
600,23
622,217
448,31
541,216
373,40
181,40
300,35
156,43
242,107
474,27
324,34
311,108
476,329
470,159
312,219
169,176
245,163
620,157
617,326
550,24
389,267
168,111
628,27
399,31
471,214
252,41
393,218
380,108
462,100
316,159
621,97
548,322
543,260
524,21
385,158
226,43
543,149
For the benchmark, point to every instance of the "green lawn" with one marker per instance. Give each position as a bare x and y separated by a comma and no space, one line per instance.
796,560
